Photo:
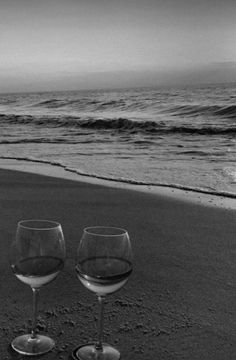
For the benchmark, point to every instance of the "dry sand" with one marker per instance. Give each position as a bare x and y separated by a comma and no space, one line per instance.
180,302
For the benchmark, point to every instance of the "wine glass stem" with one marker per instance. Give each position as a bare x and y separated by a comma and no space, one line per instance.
35,311
98,345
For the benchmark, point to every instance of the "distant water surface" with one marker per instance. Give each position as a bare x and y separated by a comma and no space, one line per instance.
183,137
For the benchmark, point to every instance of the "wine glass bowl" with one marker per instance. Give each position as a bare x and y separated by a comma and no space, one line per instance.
37,256
104,264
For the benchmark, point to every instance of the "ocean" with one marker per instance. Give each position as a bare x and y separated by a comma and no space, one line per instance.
177,137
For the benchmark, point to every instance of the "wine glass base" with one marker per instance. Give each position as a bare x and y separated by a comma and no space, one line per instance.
89,352
25,345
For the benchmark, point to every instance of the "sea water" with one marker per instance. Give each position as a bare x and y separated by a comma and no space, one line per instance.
179,137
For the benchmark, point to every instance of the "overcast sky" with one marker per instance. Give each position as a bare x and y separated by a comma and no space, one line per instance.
45,44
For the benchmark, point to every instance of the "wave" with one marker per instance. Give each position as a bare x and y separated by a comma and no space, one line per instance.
112,104
52,103
202,153
200,110
186,110
118,124
122,180
41,141
82,102
6,101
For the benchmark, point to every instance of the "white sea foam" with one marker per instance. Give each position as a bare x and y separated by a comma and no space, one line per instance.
123,180
231,173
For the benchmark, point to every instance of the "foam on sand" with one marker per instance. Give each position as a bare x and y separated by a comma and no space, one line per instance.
56,169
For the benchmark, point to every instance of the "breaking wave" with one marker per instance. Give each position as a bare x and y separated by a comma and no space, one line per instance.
186,110
116,124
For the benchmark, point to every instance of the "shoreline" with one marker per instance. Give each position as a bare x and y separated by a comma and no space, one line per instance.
179,302
54,170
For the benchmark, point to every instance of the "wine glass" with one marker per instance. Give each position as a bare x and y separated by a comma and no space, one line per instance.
104,263
37,256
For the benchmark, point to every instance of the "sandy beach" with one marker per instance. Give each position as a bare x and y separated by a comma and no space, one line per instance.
180,302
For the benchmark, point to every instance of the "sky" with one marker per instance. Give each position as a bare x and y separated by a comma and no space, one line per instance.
76,44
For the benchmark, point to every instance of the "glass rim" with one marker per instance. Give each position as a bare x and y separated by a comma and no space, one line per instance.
23,224
120,231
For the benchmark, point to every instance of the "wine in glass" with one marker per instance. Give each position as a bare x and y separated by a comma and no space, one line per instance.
37,256
104,263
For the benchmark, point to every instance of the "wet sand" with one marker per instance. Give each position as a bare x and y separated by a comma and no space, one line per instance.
180,302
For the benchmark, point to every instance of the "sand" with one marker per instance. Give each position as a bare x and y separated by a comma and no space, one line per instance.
180,302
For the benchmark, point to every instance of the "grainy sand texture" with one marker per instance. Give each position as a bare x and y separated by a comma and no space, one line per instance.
180,301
